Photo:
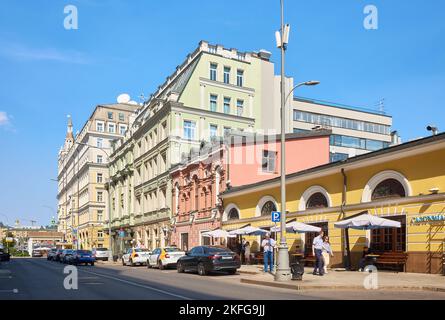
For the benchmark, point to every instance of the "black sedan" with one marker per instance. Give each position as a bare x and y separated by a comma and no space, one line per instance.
205,259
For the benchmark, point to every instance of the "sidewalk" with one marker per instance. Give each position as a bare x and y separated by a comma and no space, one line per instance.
346,280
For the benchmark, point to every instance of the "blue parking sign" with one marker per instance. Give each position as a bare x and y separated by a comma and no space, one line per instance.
276,216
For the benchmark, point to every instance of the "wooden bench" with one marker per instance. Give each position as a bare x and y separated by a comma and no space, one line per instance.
392,259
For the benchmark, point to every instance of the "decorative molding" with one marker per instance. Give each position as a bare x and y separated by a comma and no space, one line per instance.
382,176
309,192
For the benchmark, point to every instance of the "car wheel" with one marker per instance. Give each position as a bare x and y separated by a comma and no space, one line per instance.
180,268
160,265
231,271
201,269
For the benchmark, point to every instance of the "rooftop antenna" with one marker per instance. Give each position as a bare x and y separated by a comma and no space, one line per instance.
382,105
142,97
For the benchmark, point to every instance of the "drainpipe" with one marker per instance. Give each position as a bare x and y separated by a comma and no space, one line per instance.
346,232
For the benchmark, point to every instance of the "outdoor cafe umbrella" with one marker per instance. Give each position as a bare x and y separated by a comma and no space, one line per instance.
364,221
249,230
297,227
218,234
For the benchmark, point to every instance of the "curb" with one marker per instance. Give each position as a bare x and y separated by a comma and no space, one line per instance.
309,287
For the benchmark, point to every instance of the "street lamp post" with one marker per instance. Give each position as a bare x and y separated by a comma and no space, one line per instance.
283,270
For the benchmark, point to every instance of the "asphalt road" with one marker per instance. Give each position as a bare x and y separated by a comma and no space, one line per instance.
36,278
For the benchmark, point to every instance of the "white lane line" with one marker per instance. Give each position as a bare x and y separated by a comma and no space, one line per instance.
140,285
10,291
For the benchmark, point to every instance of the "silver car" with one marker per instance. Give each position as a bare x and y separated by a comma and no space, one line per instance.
101,254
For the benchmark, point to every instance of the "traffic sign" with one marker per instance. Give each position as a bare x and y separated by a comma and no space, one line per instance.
276,216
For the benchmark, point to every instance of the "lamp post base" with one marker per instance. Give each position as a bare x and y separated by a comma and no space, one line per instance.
283,272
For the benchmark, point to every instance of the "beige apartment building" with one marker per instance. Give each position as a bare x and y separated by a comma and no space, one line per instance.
215,90
83,172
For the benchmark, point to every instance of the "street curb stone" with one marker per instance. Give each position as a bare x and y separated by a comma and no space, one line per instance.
311,287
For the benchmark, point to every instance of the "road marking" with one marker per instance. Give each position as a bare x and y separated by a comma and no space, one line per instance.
10,291
140,285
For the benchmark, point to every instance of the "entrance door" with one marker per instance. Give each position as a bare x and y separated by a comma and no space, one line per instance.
311,235
185,241
390,239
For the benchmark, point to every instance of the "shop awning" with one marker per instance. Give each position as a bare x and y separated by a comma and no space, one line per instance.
251,231
297,227
367,222
218,234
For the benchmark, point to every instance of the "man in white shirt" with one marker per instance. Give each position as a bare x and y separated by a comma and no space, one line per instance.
317,250
268,245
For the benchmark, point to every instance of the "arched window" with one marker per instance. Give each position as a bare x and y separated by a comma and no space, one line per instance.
267,208
317,200
389,188
233,214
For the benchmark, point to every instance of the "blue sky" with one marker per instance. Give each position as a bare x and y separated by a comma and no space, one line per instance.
47,72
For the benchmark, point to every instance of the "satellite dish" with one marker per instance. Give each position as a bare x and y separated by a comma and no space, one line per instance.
123,98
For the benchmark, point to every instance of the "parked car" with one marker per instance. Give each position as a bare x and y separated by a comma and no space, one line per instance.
4,256
135,256
57,255
65,255
205,259
51,254
37,254
164,257
101,254
81,256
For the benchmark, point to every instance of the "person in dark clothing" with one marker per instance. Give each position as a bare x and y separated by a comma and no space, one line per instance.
363,260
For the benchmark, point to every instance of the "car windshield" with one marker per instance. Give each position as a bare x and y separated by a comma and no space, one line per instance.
141,250
172,250
83,252
213,250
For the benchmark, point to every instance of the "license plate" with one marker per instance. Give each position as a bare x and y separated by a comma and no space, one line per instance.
227,258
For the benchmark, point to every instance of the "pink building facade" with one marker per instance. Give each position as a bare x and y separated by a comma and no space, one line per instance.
241,160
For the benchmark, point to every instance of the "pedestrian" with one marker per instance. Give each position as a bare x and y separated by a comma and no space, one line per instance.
247,252
364,259
243,251
327,253
317,247
268,245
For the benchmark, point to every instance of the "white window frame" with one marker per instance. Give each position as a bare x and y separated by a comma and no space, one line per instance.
100,123
111,125
192,128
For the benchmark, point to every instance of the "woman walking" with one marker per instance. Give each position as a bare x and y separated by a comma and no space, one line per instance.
326,253
247,252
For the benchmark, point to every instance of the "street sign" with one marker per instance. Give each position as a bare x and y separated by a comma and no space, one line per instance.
276,216
9,239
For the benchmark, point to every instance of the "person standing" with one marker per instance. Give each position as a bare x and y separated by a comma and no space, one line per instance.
247,252
317,247
268,245
326,253
243,251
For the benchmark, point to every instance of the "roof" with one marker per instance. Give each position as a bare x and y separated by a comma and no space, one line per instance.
252,138
339,164
342,106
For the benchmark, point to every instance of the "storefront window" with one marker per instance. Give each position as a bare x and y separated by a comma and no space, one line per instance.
267,209
390,239
317,200
389,188
233,214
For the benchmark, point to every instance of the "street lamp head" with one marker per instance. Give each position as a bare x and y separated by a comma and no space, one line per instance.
312,83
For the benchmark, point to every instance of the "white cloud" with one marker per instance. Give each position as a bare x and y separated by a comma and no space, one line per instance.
21,52
4,119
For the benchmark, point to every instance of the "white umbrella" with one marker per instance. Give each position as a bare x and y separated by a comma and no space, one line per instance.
298,227
367,222
217,234
248,231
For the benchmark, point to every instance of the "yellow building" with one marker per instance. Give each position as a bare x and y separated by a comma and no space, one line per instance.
404,183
